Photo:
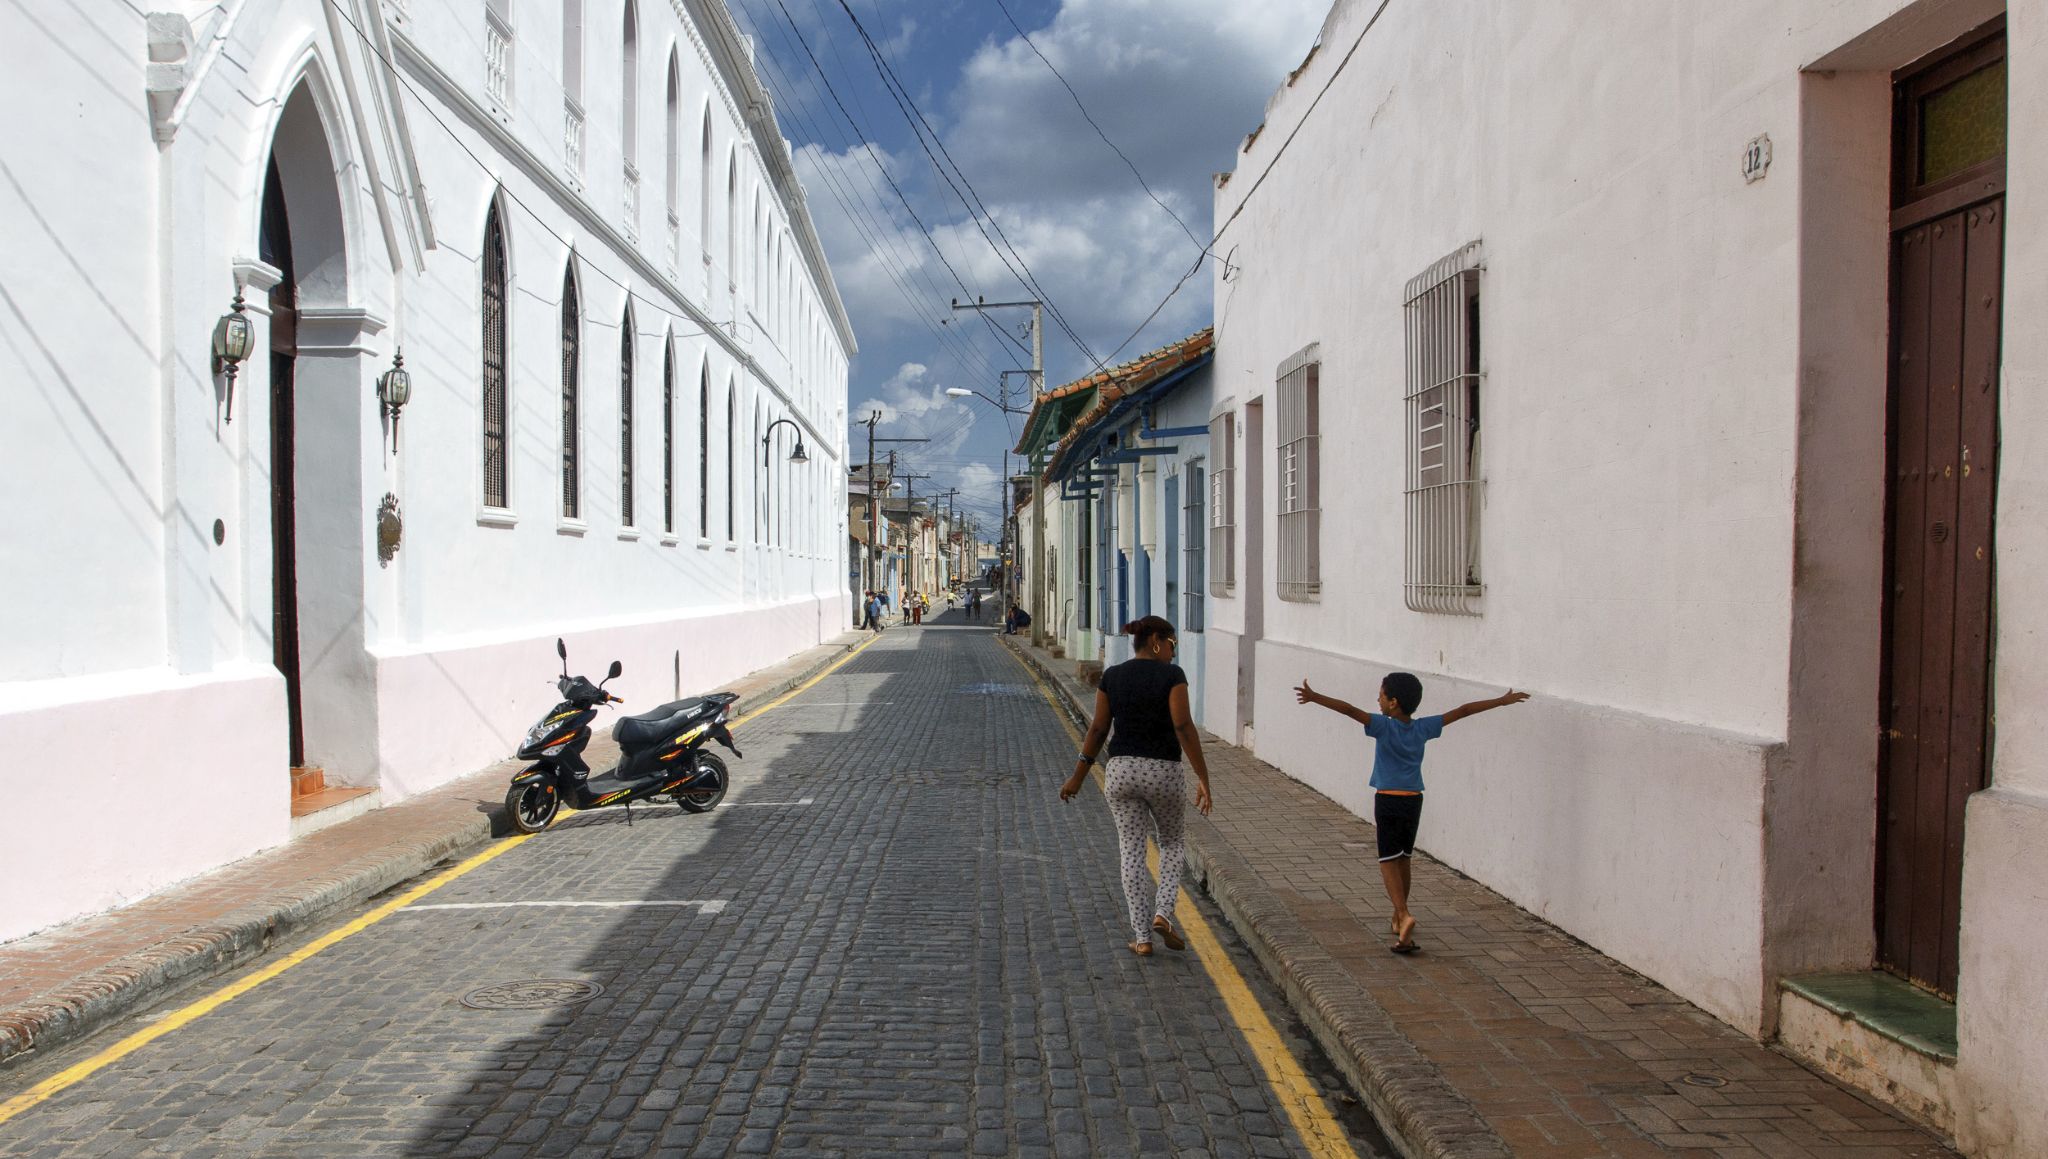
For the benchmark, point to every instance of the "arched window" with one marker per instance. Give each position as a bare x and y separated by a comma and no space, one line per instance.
704,454
732,418
672,139
754,256
704,195
732,220
571,373
626,418
496,331
668,435
572,85
629,88
760,482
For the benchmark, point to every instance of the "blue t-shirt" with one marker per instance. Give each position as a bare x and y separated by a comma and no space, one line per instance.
1397,760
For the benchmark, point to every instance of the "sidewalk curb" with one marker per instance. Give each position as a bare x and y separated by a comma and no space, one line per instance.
1422,1113
148,976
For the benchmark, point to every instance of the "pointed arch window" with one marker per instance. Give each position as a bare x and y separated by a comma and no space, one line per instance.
672,155
704,454
704,195
732,222
572,318
495,332
626,419
668,436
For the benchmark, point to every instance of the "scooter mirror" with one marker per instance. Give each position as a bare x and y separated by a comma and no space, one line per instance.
615,670
561,649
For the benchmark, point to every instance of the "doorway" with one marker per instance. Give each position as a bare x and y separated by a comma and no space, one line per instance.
1253,581
1948,230
275,247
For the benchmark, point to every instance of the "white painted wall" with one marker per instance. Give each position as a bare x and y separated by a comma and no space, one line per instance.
1679,366
421,670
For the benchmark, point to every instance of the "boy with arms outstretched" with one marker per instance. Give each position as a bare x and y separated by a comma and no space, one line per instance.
1399,737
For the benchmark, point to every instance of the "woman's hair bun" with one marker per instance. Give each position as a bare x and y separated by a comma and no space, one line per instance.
1131,629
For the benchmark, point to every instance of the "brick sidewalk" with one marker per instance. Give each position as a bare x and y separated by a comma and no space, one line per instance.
1560,1050
70,980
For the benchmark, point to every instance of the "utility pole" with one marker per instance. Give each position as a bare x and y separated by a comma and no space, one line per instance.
1038,577
909,514
874,500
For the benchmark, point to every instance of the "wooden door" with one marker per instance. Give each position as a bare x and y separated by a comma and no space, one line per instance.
1947,254
276,249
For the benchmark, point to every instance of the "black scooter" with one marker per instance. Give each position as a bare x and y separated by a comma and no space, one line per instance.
661,754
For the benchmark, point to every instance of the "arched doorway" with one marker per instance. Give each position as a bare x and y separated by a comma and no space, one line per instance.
316,366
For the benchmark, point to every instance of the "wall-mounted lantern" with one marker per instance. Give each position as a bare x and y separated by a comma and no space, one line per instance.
796,456
394,390
232,338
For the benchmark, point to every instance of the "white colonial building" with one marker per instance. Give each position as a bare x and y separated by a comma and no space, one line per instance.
578,222
1677,364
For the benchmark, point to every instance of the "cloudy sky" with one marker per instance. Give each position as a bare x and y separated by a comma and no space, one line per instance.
1174,84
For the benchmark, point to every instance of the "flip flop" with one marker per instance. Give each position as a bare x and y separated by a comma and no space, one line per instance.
1405,947
1168,934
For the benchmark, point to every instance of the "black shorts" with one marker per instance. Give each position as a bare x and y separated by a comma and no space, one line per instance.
1396,816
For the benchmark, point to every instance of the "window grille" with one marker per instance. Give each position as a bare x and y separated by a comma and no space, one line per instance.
704,455
571,508
1084,570
498,54
495,481
1223,505
1105,563
668,438
1445,483
1300,472
626,420
1197,519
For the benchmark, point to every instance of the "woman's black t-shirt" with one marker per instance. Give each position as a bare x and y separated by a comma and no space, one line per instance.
1138,709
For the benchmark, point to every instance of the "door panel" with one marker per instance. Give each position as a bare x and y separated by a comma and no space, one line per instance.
1946,304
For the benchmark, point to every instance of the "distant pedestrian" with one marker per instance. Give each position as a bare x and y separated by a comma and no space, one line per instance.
915,606
1146,699
974,603
874,612
1399,736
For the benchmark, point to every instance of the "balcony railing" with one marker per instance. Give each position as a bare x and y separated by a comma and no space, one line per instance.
497,59
675,242
632,202
572,137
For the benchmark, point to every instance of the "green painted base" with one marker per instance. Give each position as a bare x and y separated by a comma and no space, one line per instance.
1889,1006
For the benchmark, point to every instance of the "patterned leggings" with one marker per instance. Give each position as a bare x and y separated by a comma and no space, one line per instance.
1145,795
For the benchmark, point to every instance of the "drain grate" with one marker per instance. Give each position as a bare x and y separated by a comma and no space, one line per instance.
1704,1080
531,994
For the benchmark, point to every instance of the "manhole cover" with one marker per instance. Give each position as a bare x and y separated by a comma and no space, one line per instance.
1704,1080
532,994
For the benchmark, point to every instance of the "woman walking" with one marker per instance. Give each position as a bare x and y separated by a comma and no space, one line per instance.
1146,699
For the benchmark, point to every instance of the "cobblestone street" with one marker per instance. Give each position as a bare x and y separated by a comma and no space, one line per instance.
891,940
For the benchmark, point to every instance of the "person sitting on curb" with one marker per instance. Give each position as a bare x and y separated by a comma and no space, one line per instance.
1399,737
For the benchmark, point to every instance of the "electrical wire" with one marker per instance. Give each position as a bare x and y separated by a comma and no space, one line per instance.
1090,118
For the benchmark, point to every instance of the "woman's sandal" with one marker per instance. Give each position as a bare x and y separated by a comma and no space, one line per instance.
1142,949
1168,934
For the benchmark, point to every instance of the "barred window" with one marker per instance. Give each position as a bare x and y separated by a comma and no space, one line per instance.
732,418
1300,471
668,437
1223,505
626,419
571,366
1196,522
495,333
1445,483
1105,562
1084,570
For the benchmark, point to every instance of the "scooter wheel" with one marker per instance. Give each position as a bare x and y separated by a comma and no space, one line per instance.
710,789
531,805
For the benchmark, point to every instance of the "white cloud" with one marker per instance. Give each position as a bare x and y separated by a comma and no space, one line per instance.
914,405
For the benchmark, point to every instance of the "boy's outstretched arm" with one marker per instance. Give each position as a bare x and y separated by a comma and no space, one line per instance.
1464,710
1303,694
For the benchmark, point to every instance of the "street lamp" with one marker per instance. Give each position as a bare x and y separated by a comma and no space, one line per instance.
1002,404
796,456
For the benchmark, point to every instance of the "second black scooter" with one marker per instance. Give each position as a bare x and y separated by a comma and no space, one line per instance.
662,754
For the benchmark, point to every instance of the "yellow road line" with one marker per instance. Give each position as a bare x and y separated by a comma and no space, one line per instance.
1291,1087
177,1019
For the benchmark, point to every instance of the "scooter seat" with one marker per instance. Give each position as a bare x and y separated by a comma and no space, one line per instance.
637,732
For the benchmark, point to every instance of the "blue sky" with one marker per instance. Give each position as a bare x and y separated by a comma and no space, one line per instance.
1176,84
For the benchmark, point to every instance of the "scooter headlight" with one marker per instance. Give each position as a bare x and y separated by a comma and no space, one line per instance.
552,749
